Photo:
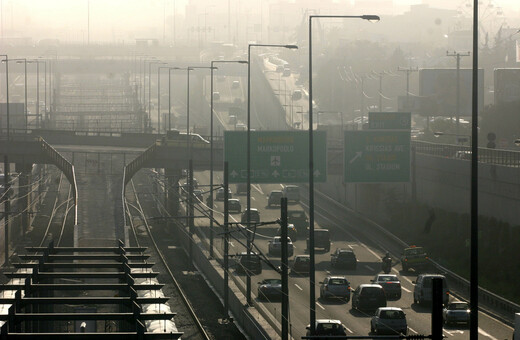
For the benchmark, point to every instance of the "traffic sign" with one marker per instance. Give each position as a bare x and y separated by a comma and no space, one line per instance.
376,156
389,120
276,156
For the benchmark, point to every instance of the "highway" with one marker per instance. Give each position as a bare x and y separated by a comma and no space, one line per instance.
366,243
347,231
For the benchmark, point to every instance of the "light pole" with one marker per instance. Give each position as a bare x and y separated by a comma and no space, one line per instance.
6,61
210,201
169,96
312,275
37,62
24,61
159,97
473,328
457,56
248,204
44,87
150,91
7,203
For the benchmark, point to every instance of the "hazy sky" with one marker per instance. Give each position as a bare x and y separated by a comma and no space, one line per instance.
127,19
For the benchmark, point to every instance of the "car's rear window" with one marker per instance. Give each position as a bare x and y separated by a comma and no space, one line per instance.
296,214
346,255
387,278
372,291
392,314
338,282
458,306
428,282
303,259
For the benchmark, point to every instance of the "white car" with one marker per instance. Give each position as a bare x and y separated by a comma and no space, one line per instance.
275,246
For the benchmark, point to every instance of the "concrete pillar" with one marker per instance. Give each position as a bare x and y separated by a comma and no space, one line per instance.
24,189
172,191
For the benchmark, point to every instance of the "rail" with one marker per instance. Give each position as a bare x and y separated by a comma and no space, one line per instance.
66,167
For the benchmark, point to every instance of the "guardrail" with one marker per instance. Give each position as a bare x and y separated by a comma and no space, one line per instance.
67,169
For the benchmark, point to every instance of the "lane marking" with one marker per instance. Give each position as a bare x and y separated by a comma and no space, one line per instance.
449,333
172,247
481,331
369,268
406,289
320,305
258,188
300,288
350,331
350,246
253,198
231,244
412,330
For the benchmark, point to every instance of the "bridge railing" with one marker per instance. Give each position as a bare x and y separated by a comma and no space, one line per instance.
66,167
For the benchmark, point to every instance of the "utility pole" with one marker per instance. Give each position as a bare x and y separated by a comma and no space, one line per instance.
407,70
380,75
457,56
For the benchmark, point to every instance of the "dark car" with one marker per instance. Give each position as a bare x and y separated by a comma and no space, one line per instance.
269,289
220,194
255,216
291,232
274,198
343,258
321,239
301,264
234,205
299,219
248,264
414,258
368,297
327,327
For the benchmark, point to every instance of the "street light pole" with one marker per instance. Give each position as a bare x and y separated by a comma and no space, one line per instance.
312,274
474,184
457,56
248,205
169,96
150,91
210,199
7,203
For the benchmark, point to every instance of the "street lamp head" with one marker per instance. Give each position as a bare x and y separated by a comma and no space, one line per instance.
438,133
371,17
242,61
517,142
292,47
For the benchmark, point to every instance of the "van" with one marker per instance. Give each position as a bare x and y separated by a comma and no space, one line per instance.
321,239
216,95
422,292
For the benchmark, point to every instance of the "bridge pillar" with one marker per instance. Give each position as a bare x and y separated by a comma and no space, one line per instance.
24,181
172,191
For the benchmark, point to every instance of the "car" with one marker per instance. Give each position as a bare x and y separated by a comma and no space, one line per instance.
234,205
390,283
335,287
248,264
414,258
235,84
279,68
343,258
291,232
297,95
255,216
321,239
422,291
216,96
301,265
292,192
286,72
197,193
275,246
456,312
389,320
368,297
220,194
327,327
232,119
299,219
274,198
241,188
269,289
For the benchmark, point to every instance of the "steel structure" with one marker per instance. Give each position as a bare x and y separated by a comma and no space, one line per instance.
40,305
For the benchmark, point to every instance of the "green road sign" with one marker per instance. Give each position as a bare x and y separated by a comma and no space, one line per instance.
276,156
376,156
389,120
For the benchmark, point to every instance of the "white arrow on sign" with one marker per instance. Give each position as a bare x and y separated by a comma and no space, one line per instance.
275,174
317,173
234,174
358,155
